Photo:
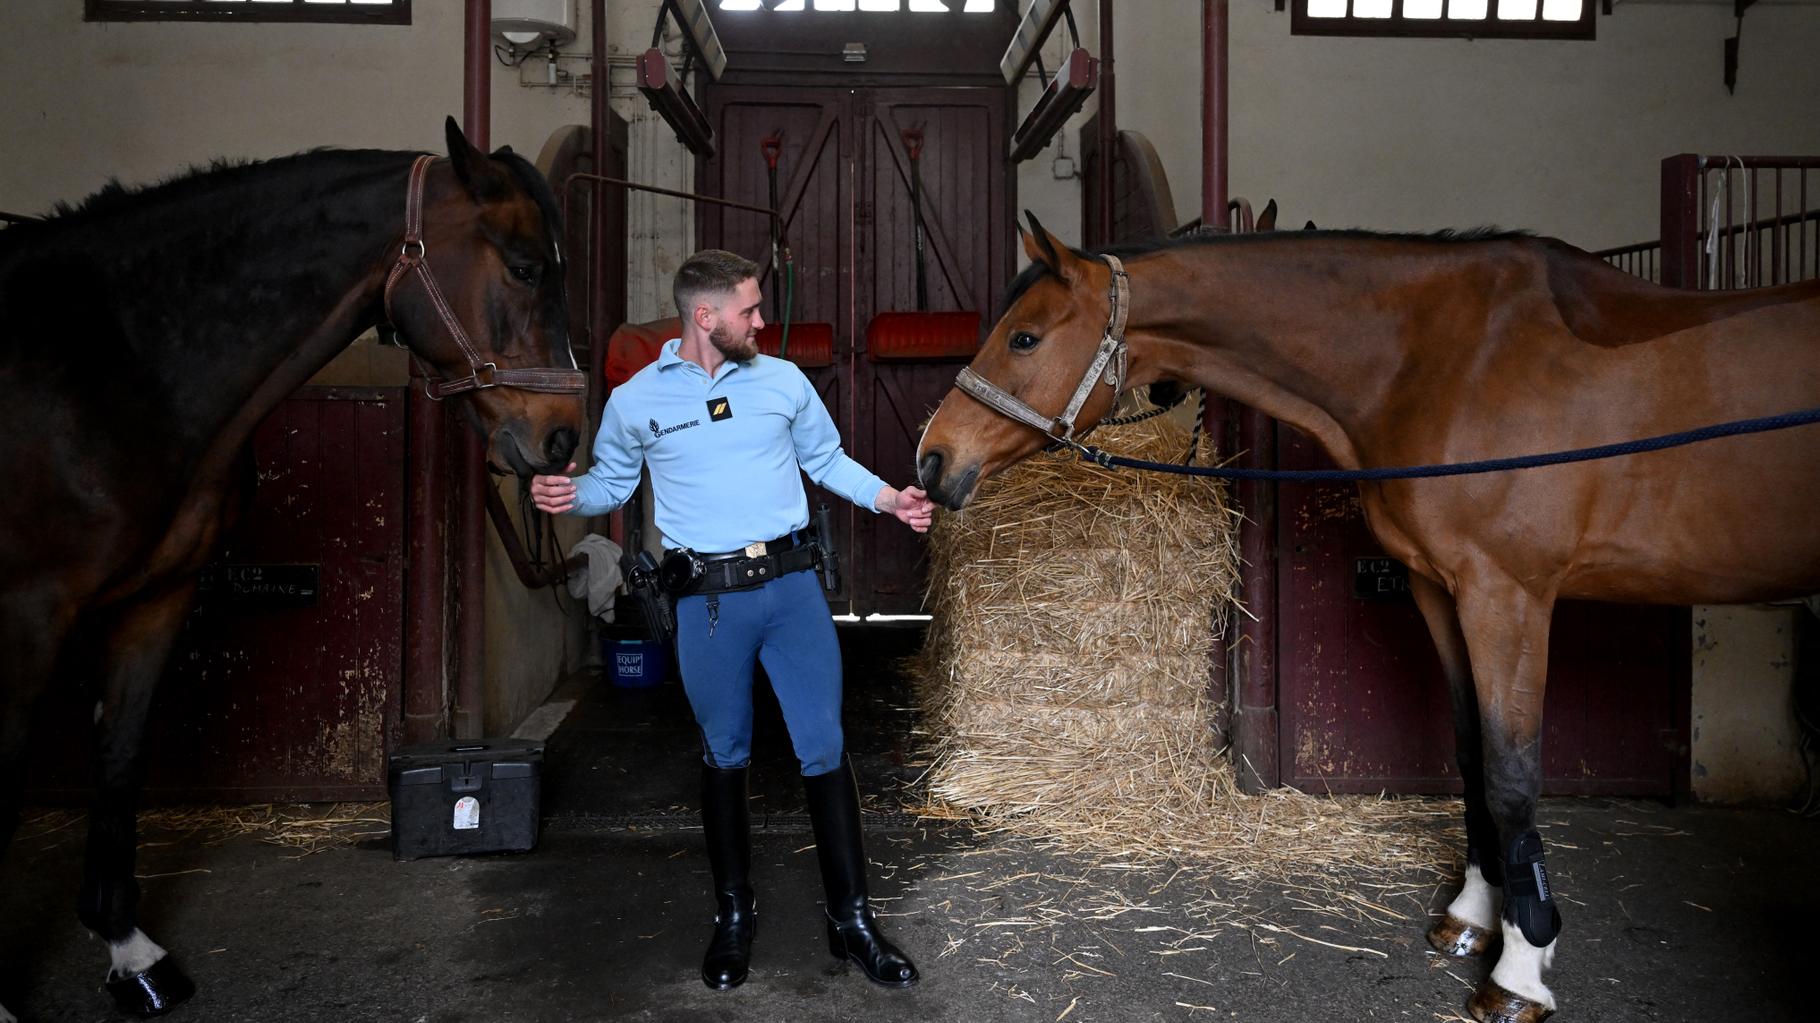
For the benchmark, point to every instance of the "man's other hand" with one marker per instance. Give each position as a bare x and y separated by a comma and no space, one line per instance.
911,506
553,494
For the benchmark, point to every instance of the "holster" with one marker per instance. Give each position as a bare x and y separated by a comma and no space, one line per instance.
658,606
827,558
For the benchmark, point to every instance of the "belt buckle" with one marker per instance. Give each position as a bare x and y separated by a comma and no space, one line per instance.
755,550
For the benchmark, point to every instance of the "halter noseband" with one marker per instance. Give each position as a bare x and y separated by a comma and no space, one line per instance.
413,256
1109,361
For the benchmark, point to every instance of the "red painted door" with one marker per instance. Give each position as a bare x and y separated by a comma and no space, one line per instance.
843,189
1364,707
965,266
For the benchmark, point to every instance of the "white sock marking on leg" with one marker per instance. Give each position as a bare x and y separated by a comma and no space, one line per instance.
1520,966
134,955
1477,903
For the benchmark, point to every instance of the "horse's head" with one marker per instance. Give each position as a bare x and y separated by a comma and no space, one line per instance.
1039,354
491,319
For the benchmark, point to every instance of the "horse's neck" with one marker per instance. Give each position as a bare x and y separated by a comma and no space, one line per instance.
1314,333
229,310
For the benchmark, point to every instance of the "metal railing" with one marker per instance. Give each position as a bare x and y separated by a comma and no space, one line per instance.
1731,222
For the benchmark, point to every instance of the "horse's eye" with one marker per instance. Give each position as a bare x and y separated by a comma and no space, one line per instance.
1023,341
524,272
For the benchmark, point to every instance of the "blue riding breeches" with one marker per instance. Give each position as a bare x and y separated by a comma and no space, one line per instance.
785,625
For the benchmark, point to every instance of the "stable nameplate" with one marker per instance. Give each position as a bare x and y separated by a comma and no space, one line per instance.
1379,579
261,585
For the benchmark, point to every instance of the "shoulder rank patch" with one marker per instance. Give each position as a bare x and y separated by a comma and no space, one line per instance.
719,409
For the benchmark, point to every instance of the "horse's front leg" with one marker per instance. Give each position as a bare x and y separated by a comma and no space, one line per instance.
33,625
1470,925
1506,629
141,977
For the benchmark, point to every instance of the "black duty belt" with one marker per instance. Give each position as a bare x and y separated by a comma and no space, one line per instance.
689,572
739,572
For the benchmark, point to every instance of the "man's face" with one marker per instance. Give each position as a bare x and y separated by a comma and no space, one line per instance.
737,322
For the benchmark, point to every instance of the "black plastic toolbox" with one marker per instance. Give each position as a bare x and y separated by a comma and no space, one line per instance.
462,798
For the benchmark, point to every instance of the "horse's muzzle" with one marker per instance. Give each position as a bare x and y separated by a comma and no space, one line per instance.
559,445
950,493
552,456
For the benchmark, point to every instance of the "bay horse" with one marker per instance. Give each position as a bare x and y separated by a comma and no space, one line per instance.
144,335
1395,350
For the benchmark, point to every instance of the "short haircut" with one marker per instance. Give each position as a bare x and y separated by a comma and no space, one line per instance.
709,276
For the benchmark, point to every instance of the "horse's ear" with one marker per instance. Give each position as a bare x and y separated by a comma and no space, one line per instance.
1045,248
483,180
1267,220
1309,226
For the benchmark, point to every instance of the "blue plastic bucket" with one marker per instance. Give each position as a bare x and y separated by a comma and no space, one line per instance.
636,663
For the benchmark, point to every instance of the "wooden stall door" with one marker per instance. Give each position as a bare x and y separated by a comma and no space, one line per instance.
966,262
286,681
843,188
814,194
1363,704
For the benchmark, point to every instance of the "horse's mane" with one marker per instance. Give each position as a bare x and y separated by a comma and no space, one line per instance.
201,181
115,198
175,193
1131,250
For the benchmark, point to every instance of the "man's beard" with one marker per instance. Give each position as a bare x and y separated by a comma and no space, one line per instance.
737,349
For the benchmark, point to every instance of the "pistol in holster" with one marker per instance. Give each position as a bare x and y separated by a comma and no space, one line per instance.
659,606
827,558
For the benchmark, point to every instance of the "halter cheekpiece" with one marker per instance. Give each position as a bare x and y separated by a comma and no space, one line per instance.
1109,364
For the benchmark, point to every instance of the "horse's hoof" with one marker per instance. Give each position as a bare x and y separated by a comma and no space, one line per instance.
161,988
1453,936
1492,1004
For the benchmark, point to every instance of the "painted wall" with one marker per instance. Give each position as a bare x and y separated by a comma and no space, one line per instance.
1746,747
1563,138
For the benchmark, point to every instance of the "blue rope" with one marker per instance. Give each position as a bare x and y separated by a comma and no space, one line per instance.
1410,472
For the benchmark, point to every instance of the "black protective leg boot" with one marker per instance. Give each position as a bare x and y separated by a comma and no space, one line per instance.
724,823
853,932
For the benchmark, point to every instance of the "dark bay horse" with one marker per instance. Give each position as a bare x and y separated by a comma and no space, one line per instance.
145,334
1408,350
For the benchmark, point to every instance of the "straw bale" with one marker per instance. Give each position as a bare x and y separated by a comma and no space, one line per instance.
1066,680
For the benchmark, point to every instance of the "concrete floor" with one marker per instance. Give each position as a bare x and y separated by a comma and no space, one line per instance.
1672,914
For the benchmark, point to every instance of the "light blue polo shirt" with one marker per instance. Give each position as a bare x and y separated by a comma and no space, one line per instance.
724,451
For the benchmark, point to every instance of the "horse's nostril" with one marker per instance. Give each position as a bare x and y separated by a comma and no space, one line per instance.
929,470
561,444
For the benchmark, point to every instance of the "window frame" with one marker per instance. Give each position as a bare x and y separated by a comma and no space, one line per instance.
398,12
1398,27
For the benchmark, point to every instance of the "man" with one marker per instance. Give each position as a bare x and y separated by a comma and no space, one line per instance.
727,433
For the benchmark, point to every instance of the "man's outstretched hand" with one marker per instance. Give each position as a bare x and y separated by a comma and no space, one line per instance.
553,494
911,506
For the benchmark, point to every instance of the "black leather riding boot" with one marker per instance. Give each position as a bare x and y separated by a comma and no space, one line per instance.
853,932
725,825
